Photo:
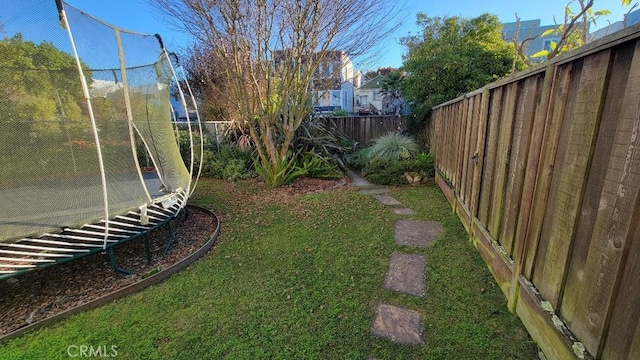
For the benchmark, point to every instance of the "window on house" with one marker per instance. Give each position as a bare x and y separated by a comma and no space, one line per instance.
547,44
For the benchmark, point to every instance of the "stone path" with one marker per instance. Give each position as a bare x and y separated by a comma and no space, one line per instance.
406,272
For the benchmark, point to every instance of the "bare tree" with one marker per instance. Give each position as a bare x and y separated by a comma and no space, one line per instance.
574,30
273,49
520,46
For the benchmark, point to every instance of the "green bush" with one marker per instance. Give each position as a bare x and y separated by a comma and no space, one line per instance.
422,163
283,172
385,172
236,169
316,166
391,172
359,159
228,163
339,113
393,146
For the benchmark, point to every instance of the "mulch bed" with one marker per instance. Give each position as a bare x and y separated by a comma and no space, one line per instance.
43,293
46,292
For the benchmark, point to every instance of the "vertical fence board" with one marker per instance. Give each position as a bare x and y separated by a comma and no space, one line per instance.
461,121
572,177
466,157
555,115
464,149
626,314
525,111
559,166
445,118
610,233
472,153
504,142
455,142
591,204
531,170
491,154
478,163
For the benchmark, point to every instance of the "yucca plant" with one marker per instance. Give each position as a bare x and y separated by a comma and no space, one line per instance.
283,172
393,146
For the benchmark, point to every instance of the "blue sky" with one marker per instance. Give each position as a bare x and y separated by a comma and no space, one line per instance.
137,15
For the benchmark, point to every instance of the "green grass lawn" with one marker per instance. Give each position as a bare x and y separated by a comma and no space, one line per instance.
300,278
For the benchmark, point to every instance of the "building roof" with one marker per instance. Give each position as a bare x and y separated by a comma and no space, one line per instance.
375,83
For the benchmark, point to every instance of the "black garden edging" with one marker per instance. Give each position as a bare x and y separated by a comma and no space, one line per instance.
127,290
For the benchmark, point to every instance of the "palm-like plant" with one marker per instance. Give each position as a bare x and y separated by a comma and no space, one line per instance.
392,102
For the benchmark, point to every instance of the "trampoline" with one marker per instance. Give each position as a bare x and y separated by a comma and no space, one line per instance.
84,108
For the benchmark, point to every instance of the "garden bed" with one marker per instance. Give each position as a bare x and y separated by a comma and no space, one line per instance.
47,292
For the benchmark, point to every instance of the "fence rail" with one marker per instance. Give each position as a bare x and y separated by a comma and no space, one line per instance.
365,129
543,169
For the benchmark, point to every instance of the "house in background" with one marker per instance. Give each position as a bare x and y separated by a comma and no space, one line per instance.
529,29
368,98
335,82
630,19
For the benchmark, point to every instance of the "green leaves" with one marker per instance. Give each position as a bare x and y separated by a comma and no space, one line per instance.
393,146
282,172
548,32
453,56
540,54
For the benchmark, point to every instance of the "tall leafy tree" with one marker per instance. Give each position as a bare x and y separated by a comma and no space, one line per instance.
452,56
39,84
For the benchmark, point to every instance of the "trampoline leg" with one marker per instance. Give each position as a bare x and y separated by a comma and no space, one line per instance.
147,249
112,259
170,242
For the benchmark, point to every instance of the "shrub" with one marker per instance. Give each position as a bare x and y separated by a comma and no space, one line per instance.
393,146
359,159
283,172
422,163
236,169
317,135
317,166
392,172
228,163
339,113
383,171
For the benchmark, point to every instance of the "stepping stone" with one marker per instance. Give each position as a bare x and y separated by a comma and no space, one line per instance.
404,211
374,191
417,232
358,181
387,200
406,274
398,324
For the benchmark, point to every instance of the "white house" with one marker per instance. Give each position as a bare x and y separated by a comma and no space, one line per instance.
368,98
335,82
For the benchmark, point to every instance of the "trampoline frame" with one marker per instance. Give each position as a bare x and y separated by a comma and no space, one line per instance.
30,253
40,251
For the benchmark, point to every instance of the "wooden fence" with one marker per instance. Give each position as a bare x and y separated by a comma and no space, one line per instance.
365,129
543,169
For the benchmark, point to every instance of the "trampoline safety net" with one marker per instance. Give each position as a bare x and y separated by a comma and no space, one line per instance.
74,152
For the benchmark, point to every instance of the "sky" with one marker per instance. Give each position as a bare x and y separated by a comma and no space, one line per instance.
138,15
